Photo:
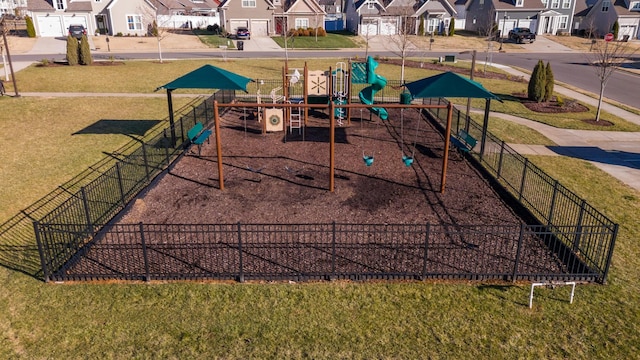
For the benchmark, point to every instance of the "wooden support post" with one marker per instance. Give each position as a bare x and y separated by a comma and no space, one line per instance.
216,117
447,140
305,93
332,147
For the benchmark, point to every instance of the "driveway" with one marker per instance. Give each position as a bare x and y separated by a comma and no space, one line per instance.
53,45
259,43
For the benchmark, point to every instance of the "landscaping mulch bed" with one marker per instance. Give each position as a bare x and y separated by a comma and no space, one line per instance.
283,178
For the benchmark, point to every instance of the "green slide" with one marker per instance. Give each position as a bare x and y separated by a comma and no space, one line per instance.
377,83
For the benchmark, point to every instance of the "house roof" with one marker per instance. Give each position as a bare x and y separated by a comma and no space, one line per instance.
45,5
583,7
622,9
507,5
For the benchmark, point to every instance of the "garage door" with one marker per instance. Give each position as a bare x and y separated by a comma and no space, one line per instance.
235,24
626,30
50,26
388,27
369,28
259,28
506,26
74,20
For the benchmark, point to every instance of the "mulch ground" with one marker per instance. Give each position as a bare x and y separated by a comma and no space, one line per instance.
284,178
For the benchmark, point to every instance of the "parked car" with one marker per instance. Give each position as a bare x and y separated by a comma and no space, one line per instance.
77,31
243,33
520,35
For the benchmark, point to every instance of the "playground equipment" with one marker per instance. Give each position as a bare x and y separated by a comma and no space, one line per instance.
406,159
377,83
340,79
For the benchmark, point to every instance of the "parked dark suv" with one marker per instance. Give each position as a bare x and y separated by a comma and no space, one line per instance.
77,31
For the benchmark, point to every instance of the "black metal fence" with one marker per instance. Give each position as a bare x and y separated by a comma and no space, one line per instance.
313,251
75,240
551,203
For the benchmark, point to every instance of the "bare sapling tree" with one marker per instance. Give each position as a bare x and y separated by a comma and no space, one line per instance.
155,27
401,41
606,57
488,28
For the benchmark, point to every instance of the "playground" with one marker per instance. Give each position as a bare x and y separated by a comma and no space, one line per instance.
313,185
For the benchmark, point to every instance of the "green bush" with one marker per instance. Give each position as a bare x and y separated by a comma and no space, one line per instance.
72,51
31,30
421,26
85,51
452,27
560,101
615,29
537,83
154,29
548,82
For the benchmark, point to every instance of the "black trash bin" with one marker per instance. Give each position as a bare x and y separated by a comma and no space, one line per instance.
240,45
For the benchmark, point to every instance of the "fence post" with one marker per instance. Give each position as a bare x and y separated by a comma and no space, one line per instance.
119,174
520,240
333,250
553,202
458,122
87,213
43,261
195,115
182,129
614,235
206,112
578,235
500,160
146,163
426,252
166,147
144,253
522,181
240,270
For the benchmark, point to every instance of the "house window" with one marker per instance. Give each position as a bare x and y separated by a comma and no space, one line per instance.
635,6
481,3
566,4
555,4
519,3
60,5
371,5
134,22
248,3
562,24
276,2
545,3
302,23
605,5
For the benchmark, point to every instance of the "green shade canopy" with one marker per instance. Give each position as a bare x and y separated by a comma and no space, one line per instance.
448,84
209,77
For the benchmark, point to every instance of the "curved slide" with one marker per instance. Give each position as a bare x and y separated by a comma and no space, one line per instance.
377,83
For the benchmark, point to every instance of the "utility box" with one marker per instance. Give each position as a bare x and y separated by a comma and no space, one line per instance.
240,45
405,98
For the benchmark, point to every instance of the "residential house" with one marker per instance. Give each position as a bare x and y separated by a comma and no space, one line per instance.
12,7
392,17
334,18
603,14
460,7
176,14
270,17
541,16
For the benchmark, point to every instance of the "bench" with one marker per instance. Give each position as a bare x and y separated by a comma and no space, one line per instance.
197,135
463,141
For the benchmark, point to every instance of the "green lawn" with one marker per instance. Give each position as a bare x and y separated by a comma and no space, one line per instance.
331,41
47,141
